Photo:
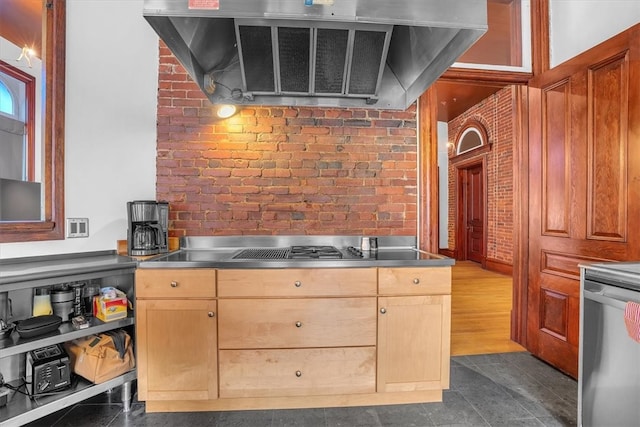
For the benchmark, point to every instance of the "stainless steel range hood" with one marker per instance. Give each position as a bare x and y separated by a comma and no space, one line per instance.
332,53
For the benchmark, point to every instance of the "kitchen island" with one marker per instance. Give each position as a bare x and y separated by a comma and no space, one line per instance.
289,322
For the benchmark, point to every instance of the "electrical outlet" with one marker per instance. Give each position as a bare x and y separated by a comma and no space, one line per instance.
77,227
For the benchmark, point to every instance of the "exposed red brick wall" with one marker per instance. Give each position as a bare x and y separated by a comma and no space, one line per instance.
495,113
281,170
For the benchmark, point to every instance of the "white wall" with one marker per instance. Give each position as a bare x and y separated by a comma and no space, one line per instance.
110,138
443,184
577,25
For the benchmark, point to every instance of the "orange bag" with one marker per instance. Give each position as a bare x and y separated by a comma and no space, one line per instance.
101,357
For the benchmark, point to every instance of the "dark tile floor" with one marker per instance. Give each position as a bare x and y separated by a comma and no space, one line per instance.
507,389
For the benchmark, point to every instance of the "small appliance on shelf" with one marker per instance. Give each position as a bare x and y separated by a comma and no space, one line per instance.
148,232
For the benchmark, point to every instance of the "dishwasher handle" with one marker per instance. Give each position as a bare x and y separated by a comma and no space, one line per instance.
605,294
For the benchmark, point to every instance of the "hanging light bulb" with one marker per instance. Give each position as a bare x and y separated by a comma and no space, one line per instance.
226,111
26,54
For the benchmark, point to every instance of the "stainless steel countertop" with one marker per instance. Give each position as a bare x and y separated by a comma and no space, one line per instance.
28,269
218,252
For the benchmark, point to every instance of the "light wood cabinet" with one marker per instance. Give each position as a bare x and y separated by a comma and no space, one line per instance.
414,331
413,343
297,282
293,323
414,281
176,283
176,335
292,338
297,372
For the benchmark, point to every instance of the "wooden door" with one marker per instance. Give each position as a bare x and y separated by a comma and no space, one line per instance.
177,349
416,329
584,183
474,213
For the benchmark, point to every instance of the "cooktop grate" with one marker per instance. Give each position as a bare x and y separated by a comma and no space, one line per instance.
275,253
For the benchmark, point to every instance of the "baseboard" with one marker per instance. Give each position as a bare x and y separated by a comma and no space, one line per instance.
499,266
448,253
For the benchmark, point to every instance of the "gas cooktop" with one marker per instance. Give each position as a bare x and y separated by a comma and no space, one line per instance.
293,252
314,252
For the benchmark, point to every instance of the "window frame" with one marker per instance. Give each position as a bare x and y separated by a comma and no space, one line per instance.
485,147
52,227
30,113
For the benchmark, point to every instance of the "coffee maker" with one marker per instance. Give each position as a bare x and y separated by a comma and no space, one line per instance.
148,232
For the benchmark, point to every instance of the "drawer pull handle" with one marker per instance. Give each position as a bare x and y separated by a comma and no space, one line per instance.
298,324
383,310
416,281
298,374
298,283
174,284
211,314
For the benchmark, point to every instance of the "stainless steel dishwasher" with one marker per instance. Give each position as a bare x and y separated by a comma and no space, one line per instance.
609,359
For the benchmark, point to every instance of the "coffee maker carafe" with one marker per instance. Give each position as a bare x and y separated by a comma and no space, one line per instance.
148,227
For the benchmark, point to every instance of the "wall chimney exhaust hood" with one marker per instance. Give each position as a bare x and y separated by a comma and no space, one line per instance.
379,54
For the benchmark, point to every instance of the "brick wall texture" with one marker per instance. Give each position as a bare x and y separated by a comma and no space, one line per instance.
495,113
282,170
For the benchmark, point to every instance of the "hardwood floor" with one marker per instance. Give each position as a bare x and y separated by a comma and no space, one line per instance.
480,311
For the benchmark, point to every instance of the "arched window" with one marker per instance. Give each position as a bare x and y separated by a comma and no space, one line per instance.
6,100
472,137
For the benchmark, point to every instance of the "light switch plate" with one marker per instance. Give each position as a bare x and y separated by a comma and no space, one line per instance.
77,227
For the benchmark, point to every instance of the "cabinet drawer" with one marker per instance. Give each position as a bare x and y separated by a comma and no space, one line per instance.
175,283
414,281
299,372
291,323
297,282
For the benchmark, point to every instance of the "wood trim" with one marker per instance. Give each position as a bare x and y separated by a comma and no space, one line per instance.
557,183
516,32
478,126
520,214
566,265
470,75
540,44
52,228
473,154
428,170
292,402
607,204
449,253
499,266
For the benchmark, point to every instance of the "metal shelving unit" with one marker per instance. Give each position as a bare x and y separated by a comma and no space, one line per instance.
66,332
25,273
22,409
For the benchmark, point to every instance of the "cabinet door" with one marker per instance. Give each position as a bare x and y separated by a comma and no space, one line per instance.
413,343
177,349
